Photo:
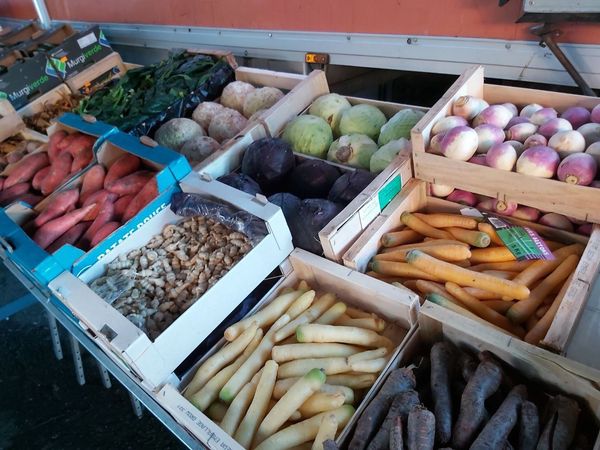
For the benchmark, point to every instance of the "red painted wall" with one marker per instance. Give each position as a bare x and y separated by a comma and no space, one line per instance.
17,9
465,18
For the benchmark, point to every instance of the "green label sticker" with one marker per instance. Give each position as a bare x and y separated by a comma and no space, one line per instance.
389,191
523,242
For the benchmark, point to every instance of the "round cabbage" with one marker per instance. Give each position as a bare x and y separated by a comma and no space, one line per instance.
354,150
386,154
330,107
309,134
362,119
399,125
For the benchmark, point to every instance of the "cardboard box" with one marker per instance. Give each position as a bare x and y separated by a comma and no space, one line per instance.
153,361
79,52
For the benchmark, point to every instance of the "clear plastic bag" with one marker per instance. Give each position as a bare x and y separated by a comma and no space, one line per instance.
187,204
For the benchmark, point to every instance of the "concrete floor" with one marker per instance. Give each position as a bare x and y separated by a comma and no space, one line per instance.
41,404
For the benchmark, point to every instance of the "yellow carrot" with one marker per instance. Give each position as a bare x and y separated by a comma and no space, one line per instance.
491,232
405,270
539,313
431,287
482,294
497,305
416,224
429,242
411,284
400,237
513,266
537,333
448,252
463,263
491,254
474,238
387,279
441,220
480,309
506,274
520,312
531,322
465,277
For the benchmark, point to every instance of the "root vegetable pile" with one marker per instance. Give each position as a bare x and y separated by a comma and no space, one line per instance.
435,403
40,121
461,263
31,177
291,372
15,147
88,212
155,284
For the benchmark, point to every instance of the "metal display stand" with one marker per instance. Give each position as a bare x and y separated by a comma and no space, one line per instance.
140,398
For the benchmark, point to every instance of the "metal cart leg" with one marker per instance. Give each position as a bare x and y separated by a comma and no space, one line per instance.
54,337
104,375
79,374
138,409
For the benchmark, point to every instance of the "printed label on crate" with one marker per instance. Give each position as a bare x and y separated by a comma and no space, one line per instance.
523,242
389,191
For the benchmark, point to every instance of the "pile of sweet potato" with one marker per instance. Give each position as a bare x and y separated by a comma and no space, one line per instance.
90,211
451,399
36,175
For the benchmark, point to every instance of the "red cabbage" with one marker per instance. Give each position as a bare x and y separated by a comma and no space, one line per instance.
348,186
241,182
268,161
314,214
312,179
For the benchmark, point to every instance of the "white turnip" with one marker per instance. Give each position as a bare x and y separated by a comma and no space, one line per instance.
567,142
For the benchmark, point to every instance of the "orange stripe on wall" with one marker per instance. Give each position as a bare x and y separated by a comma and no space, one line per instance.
460,18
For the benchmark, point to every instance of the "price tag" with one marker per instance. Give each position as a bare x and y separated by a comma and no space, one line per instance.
86,40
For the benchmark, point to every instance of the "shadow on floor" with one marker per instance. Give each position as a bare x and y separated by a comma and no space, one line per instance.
43,407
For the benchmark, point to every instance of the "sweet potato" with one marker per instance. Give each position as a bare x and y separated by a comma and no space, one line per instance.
71,236
401,407
442,356
484,382
8,195
93,181
496,431
103,232
105,215
26,168
131,184
39,177
121,205
145,196
50,231
98,198
122,167
81,160
561,423
529,426
2,183
59,205
420,430
54,143
80,143
59,170
398,381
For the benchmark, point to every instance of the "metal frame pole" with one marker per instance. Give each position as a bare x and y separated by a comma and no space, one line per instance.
42,13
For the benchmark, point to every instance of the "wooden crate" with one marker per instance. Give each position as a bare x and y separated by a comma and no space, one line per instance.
324,276
553,373
337,236
49,98
576,201
303,90
97,75
11,124
414,198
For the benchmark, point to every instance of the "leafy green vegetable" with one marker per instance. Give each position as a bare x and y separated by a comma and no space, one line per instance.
146,91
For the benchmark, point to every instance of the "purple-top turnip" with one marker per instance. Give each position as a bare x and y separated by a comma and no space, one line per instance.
555,220
441,190
585,229
447,123
535,140
553,126
435,144
462,197
578,168
595,115
512,108
494,115
468,106
526,213
543,115
459,143
518,146
505,208
591,133
487,136
501,156
594,150
567,142
577,115
478,159
521,131
528,110
539,161
515,120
